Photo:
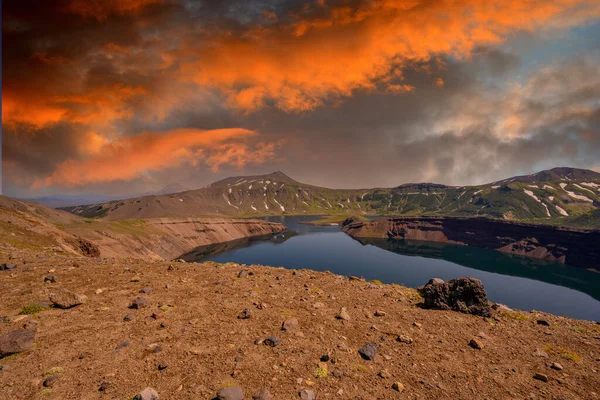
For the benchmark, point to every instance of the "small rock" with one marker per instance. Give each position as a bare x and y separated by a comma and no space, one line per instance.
318,305
397,386
307,394
246,314
50,381
476,344
123,344
338,373
162,366
556,366
135,279
259,341
146,290
540,353
379,313
7,267
230,393
243,273
501,308
50,278
404,339
543,322
368,351
384,374
98,291
325,357
289,324
417,324
16,341
343,314
104,386
66,299
541,377
262,394
147,394
272,341
139,302
128,317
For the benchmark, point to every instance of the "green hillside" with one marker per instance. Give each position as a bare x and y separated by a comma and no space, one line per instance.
558,196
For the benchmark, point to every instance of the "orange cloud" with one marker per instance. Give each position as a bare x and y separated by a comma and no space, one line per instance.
128,157
300,65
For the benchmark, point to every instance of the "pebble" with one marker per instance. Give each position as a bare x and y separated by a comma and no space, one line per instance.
404,339
123,344
397,386
243,273
272,341
50,278
379,313
384,374
146,394
146,290
135,279
128,317
246,314
543,322
262,394
540,353
541,377
289,324
230,393
162,366
417,324
368,351
556,366
139,302
50,381
7,267
343,314
476,344
307,394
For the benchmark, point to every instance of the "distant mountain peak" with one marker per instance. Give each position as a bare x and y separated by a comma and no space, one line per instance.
554,175
172,188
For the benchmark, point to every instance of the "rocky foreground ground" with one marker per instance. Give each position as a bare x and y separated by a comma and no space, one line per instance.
188,331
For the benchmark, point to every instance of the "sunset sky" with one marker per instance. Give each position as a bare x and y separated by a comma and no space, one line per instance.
122,97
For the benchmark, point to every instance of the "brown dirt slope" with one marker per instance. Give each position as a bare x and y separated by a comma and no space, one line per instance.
36,227
188,341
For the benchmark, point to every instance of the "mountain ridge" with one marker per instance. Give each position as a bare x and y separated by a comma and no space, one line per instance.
550,196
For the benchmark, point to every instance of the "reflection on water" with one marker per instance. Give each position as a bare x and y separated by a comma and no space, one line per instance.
517,281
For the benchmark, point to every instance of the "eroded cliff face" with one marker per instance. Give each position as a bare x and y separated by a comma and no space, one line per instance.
569,246
168,238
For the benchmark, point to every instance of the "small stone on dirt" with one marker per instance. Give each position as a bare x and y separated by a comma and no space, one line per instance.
123,344
556,366
289,324
397,386
7,267
540,353
16,341
404,339
49,381
272,341
384,374
139,302
243,273
476,344
541,377
246,314
379,313
128,317
50,278
147,394
368,351
66,299
543,322
146,290
343,314
307,394
262,394
230,393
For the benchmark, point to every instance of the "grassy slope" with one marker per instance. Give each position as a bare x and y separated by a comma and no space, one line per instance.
544,197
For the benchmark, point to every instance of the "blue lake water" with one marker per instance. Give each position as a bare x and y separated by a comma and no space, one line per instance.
519,282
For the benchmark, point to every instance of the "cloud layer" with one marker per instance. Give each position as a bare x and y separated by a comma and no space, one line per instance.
336,92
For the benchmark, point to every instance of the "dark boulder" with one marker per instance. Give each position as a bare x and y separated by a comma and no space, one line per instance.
15,342
466,295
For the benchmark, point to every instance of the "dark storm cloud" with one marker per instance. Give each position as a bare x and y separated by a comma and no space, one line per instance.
339,93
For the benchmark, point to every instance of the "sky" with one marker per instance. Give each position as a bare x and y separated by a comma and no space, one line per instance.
122,97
